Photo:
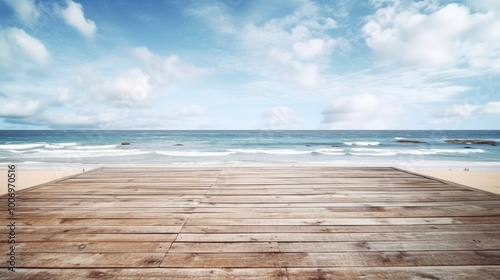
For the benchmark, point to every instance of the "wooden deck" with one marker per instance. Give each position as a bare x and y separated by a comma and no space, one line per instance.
254,223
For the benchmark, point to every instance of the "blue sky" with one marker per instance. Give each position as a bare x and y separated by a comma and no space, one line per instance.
236,64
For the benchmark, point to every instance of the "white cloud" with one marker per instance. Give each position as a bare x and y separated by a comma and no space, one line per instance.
302,65
364,111
128,88
279,56
26,10
29,46
312,48
80,119
274,47
447,36
15,108
214,15
74,16
454,116
305,74
330,23
162,70
281,118
469,110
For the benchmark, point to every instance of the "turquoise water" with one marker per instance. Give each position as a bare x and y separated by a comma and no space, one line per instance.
362,148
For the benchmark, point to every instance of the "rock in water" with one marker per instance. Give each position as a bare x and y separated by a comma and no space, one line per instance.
472,141
410,141
125,143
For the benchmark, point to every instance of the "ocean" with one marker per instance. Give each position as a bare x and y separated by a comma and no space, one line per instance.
76,148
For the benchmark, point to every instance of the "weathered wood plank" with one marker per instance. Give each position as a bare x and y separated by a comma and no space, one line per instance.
101,215
326,214
88,246
87,260
368,186
83,237
389,246
241,247
47,193
100,222
146,273
44,229
245,204
318,260
345,221
346,229
335,237
113,204
399,273
345,198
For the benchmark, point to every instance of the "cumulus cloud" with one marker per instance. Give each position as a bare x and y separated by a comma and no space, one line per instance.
427,35
74,16
15,108
364,111
312,48
305,74
30,46
281,118
26,10
465,111
162,69
128,88
302,64
281,43
79,119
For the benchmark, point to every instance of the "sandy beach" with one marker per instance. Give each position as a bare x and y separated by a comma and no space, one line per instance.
30,178
483,180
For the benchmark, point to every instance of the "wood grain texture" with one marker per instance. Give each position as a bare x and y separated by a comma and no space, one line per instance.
253,223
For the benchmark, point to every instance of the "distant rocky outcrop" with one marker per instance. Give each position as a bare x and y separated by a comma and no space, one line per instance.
125,143
178,144
471,142
410,141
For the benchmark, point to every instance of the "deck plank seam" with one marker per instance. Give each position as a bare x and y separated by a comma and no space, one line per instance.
187,219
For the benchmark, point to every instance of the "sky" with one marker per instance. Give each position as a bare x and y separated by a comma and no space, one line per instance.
249,64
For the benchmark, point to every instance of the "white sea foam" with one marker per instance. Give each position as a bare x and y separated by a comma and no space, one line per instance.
19,152
192,153
97,147
393,152
67,144
49,146
84,153
362,143
21,146
271,152
329,151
